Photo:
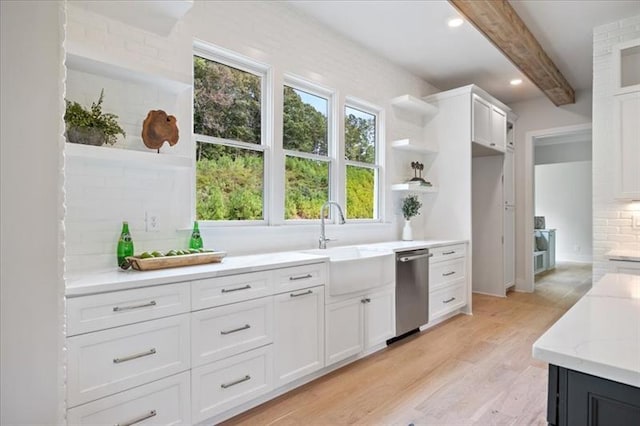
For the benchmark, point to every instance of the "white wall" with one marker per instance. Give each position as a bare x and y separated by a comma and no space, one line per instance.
31,285
612,219
534,115
563,197
101,195
562,153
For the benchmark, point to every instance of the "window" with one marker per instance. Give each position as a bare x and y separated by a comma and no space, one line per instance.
228,121
306,144
361,161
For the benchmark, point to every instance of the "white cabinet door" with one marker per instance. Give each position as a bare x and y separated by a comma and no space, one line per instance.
509,246
627,142
508,177
498,128
379,317
481,119
299,335
345,329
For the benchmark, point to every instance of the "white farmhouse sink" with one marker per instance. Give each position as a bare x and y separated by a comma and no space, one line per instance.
357,268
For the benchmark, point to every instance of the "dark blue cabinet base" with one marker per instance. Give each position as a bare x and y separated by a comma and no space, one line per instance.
583,400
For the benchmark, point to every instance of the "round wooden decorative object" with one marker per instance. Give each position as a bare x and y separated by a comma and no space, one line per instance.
159,128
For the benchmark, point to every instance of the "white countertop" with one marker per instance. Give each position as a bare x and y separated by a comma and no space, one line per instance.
599,335
626,255
91,282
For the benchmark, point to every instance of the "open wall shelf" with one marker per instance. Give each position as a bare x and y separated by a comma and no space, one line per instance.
406,187
410,145
145,158
415,106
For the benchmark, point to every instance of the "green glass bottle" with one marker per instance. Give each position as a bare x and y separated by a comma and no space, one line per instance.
195,242
125,247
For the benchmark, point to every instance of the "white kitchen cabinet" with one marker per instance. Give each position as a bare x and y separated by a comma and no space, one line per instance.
509,246
359,324
489,124
448,284
508,179
299,334
627,145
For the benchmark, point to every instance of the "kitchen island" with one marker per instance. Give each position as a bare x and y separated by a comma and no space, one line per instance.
593,353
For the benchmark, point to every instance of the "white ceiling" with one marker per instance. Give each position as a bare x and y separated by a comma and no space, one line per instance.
415,35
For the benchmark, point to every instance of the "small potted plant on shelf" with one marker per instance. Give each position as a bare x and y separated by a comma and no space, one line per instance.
91,126
410,208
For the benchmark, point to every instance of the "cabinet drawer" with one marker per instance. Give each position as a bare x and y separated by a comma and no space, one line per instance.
110,361
234,288
443,273
297,277
447,299
101,311
164,402
222,385
447,252
228,330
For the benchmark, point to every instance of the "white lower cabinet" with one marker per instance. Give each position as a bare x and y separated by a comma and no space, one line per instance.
299,334
163,402
222,385
447,299
358,324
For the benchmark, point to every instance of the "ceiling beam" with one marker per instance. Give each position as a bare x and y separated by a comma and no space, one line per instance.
500,23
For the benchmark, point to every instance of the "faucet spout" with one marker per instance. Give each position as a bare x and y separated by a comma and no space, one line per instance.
322,242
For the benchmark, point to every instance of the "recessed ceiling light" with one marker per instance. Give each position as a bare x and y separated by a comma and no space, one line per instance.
455,22
516,82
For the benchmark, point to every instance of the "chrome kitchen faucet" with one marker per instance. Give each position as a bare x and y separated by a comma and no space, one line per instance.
323,238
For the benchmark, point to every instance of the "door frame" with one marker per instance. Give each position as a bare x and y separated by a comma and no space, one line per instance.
529,196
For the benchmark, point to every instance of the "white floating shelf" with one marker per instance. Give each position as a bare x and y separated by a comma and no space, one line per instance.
413,188
82,59
414,105
408,145
149,159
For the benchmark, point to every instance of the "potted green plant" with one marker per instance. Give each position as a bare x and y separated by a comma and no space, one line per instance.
91,126
410,208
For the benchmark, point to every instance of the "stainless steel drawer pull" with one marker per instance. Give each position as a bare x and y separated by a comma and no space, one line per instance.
492,144
411,258
245,327
300,277
446,274
127,308
301,294
365,300
134,356
150,414
449,300
449,252
229,290
235,382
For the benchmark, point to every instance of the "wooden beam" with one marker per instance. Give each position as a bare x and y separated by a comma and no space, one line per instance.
500,23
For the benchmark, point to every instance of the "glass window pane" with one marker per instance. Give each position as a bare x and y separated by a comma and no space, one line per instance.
229,183
361,183
226,102
306,187
305,125
360,136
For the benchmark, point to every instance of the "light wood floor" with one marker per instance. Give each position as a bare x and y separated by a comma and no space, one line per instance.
469,370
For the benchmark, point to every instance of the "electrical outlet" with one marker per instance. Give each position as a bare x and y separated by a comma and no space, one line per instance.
636,220
152,221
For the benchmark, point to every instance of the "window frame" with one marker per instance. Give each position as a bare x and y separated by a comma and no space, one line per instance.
377,165
231,59
330,95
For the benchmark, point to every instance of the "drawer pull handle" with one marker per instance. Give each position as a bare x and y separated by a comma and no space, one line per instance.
127,308
150,414
245,327
301,294
449,300
365,300
447,274
492,144
449,252
300,277
230,290
235,382
134,356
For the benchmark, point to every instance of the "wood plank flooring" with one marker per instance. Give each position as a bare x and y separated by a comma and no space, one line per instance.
469,370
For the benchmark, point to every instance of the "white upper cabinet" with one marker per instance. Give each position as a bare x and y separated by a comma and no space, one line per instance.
627,144
626,66
489,124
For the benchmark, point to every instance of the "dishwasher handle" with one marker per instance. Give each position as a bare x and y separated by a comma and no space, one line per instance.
414,257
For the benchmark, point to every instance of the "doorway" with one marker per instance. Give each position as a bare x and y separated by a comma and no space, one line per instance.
557,208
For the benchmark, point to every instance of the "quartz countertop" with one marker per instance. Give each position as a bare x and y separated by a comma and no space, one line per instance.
91,282
626,255
599,335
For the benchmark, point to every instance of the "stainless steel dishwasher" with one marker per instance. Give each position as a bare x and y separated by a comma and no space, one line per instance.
412,290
